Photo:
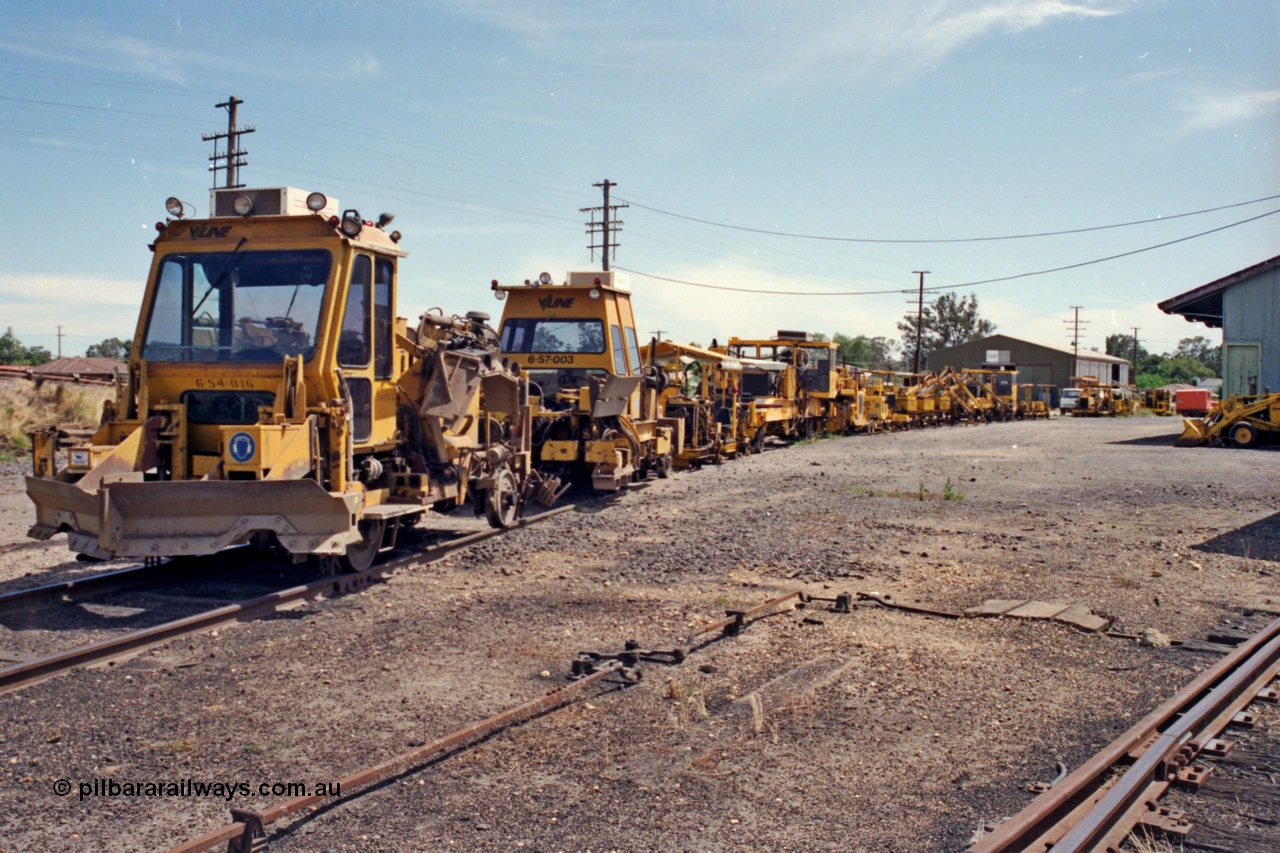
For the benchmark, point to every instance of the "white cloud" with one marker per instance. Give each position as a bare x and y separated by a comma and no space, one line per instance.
1207,109
88,309
130,54
688,313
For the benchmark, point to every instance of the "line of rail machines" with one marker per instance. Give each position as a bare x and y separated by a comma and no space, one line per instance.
274,396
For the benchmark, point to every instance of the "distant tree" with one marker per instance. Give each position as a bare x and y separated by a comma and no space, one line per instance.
110,348
947,321
862,351
1122,347
1200,349
1188,370
12,351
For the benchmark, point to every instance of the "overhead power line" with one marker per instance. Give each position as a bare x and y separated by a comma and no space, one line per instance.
950,239
961,285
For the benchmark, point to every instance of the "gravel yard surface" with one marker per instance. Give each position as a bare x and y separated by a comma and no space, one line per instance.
878,730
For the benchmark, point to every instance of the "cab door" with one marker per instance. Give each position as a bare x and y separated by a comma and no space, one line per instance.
365,348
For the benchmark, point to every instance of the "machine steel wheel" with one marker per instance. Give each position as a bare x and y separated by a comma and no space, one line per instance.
663,466
502,504
1244,435
360,556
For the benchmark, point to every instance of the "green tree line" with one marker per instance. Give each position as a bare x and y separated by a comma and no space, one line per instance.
1192,359
13,351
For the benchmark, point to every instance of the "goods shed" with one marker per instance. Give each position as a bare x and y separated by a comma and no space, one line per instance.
1036,363
1245,305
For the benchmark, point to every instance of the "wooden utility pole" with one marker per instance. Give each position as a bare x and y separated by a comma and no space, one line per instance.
235,154
608,226
1075,339
59,342
919,316
1133,380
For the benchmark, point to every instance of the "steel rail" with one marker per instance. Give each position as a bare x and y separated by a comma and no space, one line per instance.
251,824
100,584
1175,747
738,618
27,673
1049,819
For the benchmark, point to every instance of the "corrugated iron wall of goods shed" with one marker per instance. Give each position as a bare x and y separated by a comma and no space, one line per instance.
1251,319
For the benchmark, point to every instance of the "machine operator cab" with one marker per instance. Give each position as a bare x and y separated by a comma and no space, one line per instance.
594,400
566,335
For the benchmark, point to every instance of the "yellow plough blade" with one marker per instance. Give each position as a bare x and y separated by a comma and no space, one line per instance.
1195,432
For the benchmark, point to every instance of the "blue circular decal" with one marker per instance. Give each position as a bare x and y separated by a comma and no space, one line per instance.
241,447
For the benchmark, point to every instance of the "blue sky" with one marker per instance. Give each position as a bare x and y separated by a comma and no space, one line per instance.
483,125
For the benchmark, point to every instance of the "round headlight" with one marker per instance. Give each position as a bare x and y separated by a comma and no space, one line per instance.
594,292
243,205
174,205
317,202
499,295
545,278
351,226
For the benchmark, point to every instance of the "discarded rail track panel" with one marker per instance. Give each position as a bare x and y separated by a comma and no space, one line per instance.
1092,810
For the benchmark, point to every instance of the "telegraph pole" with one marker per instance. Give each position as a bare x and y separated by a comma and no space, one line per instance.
919,315
1133,380
1075,338
59,342
657,334
608,226
235,154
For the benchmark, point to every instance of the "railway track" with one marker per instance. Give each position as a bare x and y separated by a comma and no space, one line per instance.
248,829
1142,784
28,672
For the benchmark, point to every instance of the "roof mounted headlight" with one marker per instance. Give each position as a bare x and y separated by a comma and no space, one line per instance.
545,278
352,224
243,205
176,206
317,202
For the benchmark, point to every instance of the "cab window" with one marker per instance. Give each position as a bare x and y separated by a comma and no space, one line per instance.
353,342
633,350
384,272
619,357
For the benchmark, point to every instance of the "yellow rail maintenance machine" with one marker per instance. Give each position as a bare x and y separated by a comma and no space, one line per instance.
274,397
595,401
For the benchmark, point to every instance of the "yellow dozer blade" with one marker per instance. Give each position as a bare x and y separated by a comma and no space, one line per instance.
193,517
1195,432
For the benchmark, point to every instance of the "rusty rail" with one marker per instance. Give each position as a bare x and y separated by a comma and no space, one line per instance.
1078,814
241,833
100,584
31,672
22,371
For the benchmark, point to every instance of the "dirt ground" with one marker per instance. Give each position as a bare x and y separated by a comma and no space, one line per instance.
878,730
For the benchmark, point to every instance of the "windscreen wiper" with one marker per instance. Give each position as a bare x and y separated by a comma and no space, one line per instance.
222,273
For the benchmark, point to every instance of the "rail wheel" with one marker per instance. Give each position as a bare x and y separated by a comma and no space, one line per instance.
502,504
1244,435
663,466
757,442
360,556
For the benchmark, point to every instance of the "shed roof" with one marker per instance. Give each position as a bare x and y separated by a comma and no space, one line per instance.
82,366
1204,303
1088,354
